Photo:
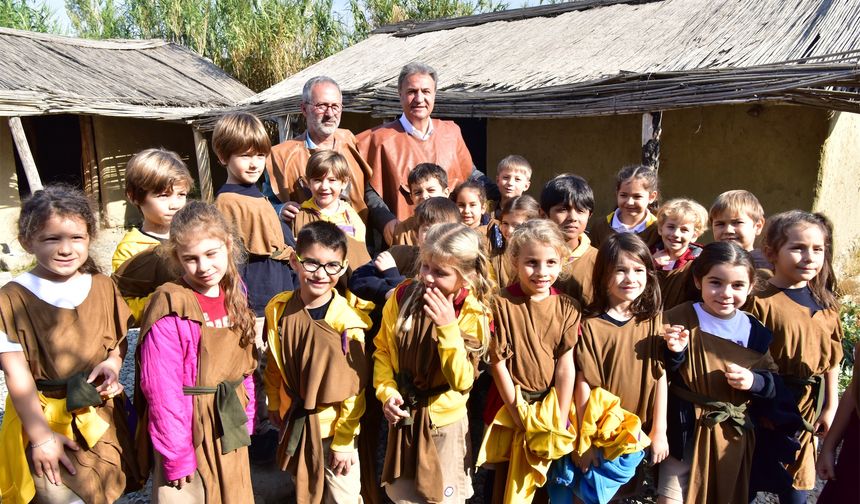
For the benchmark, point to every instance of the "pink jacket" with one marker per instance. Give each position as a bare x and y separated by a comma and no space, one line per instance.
168,361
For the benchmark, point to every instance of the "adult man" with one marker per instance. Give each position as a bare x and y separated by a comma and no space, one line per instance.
396,147
285,167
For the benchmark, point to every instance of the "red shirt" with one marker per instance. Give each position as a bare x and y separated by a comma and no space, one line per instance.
214,309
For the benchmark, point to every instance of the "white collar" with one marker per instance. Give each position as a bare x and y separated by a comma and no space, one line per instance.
69,294
410,129
621,227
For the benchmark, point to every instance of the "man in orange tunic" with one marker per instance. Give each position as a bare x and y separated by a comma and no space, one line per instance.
396,147
322,105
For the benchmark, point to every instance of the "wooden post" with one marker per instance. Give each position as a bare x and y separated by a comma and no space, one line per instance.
33,179
285,124
201,149
651,130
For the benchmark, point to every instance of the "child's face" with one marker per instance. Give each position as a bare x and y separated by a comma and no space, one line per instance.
426,189
677,235
538,266
736,227
61,247
571,221
437,274
724,289
512,183
245,167
628,281
326,190
801,258
158,209
318,283
469,203
633,199
204,263
510,221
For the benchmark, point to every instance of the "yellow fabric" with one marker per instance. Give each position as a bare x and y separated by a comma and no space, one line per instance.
607,426
345,215
133,243
340,421
530,452
16,482
449,407
582,248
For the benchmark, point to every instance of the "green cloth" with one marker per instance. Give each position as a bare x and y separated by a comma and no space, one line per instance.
231,423
79,393
717,411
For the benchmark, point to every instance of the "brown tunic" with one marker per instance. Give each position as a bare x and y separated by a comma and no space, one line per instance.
142,273
59,343
393,153
319,372
226,477
356,251
406,258
503,268
677,286
287,162
576,282
406,232
411,452
256,222
803,346
530,336
722,457
626,360
602,229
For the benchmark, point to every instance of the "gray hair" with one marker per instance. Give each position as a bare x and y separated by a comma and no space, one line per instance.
416,67
313,81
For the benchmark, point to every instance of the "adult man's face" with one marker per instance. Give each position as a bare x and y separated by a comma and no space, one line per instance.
323,112
417,96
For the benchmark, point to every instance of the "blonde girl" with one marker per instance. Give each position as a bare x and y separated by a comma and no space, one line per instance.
531,359
64,437
636,193
513,213
434,331
195,366
799,305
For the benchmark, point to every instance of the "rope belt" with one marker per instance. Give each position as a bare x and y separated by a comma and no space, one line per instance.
718,411
797,384
413,397
79,393
232,421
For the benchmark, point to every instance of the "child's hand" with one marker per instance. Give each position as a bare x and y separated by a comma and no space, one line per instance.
826,466
587,459
388,231
181,482
739,378
384,261
392,411
439,308
676,337
48,454
822,426
289,211
108,370
341,463
659,447
275,419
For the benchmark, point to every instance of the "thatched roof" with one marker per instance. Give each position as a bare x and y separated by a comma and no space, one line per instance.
51,74
599,57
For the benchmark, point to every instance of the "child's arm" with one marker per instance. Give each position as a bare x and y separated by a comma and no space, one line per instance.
826,465
825,419
167,351
507,390
251,407
48,447
385,365
581,394
108,369
456,366
371,283
564,377
272,384
659,441
343,452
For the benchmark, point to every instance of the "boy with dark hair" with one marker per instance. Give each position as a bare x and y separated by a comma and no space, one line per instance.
425,181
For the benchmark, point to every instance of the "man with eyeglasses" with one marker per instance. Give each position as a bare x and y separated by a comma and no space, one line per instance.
285,167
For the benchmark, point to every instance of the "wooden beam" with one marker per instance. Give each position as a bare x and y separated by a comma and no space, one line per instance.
33,179
285,125
201,149
651,130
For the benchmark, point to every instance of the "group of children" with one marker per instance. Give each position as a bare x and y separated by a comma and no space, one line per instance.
610,351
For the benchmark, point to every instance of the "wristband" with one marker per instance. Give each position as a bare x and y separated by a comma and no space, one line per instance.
43,443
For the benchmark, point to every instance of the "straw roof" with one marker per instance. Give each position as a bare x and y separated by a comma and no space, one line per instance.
600,57
52,74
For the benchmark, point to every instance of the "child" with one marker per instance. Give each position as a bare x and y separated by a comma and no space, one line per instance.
195,366
327,174
620,351
531,359
568,201
241,142
471,198
799,305
718,363
316,340
513,176
433,333
156,182
63,326
679,222
514,212
739,217
426,180
635,191
376,280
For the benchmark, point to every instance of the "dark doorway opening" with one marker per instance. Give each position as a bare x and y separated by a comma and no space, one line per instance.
55,142
475,135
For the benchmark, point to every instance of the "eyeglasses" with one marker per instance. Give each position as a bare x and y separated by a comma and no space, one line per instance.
311,266
322,107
